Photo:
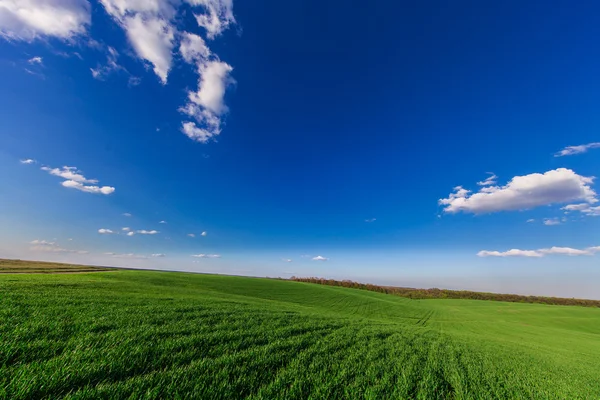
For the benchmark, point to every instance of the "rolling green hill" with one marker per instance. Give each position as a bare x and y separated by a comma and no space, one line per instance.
142,334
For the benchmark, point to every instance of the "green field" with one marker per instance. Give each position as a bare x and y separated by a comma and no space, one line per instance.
142,334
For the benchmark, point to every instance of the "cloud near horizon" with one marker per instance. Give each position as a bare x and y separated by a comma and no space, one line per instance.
590,251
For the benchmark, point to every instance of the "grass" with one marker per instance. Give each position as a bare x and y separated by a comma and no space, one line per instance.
41,267
154,335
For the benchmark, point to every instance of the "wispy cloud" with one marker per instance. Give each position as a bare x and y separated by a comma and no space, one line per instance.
530,220
523,192
145,232
206,255
162,222
568,251
572,150
371,220
52,247
191,235
490,180
584,208
126,229
158,255
101,72
287,260
320,258
105,231
126,214
27,161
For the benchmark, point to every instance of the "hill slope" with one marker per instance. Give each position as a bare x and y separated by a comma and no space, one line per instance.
175,335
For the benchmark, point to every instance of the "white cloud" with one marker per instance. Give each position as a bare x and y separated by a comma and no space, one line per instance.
217,15
206,105
105,231
89,189
490,180
510,253
27,161
33,19
158,255
35,60
152,39
206,255
371,220
214,79
523,192
204,233
148,28
584,208
69,173
126,214
126,229
541,252
320,258
145,232
191,130
130,233
193,48
551,221
530,220
75,180
572,150
286,259
162,222
191,235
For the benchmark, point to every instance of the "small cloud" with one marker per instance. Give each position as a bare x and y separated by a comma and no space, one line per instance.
162,222
204,233
572,150
128,255
35,60
145,232
551,221
286,259
43,242
371,220
126,214
158,255
70,239
206,255
126,229
320,258
27,161
530,220
134,81
191,235
105,231
130,233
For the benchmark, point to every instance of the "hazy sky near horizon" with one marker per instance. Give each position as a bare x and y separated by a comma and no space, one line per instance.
428,145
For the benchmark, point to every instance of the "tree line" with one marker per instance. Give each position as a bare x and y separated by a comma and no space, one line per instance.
435,293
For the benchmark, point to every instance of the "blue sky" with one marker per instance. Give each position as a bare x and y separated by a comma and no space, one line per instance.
416,145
